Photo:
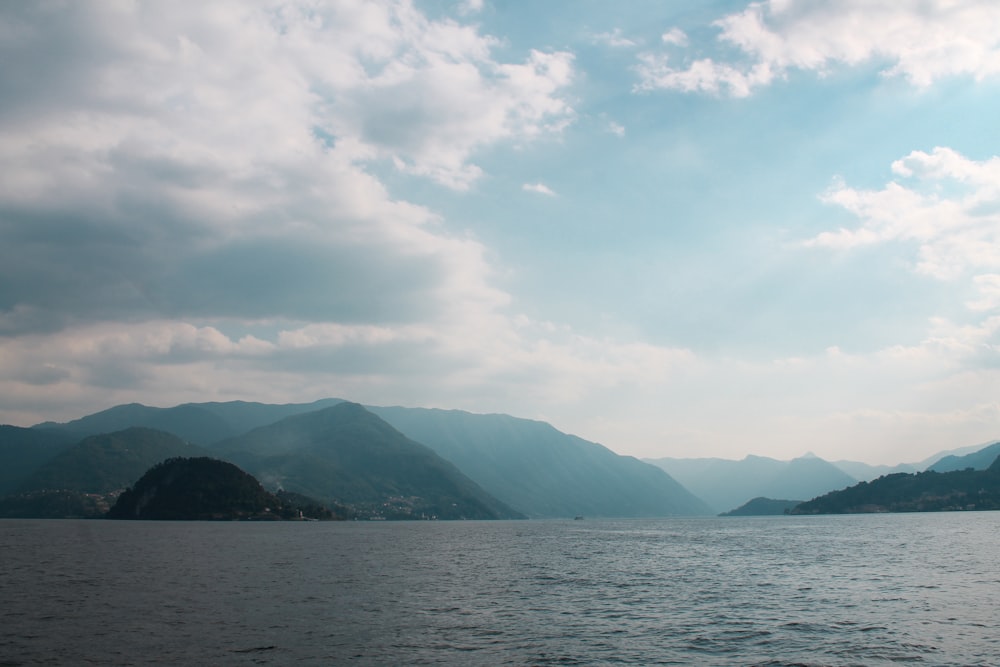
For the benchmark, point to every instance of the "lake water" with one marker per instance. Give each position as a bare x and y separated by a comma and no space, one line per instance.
846,590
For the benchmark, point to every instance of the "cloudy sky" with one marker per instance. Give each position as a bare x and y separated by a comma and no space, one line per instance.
678,228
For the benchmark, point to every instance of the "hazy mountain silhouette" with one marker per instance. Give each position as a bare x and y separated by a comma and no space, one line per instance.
541,471
81,480
726,484
243,416
979,460
865,472
200,423
24,450
107,462
763,507
927,491
190,422
528,465
346,454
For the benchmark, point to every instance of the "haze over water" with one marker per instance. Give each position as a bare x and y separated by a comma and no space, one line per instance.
849,590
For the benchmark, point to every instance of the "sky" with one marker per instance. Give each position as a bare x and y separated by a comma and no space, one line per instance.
677,228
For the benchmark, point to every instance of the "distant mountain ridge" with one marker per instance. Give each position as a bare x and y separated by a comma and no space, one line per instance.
530,466
927,491
541,471
81,480
107,462
525,465
24,450
763,507
200,423
980,459
726,484
189,422
348,455
865,472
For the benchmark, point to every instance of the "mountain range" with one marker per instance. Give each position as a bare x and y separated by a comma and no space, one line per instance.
201,423
348,455
928,491
24,450
82,479
542,471
396,462
108,461
502,466
725,484
981,459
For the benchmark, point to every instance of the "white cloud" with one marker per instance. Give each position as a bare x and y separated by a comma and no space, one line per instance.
911,400
703,75
163,162
430,119
989,290
529,367
922,41
903,402
540,188
471,6
948,208
944,388
616,129
614,39
190,212
170,175
674,36
381,80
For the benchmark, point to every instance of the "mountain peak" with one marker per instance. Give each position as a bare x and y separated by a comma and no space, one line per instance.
349,455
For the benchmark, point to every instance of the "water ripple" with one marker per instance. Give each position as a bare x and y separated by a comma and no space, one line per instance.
832,591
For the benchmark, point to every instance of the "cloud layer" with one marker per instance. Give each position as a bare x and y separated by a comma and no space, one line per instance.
170,175
205,205
950,213
918,40
161,164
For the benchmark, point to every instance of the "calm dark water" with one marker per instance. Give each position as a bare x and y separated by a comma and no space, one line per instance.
853,590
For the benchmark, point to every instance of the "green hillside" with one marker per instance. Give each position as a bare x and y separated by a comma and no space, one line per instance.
526,465
346,454
189,422
200,423
763,507
927,491
108,462
541,471
978,460
204,489
24,450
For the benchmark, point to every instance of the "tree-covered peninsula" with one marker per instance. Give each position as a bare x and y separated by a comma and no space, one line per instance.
209,489
920,492
763,507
